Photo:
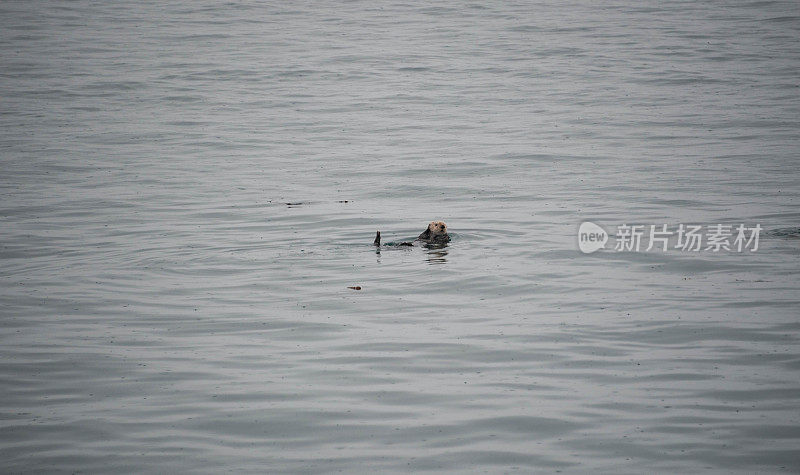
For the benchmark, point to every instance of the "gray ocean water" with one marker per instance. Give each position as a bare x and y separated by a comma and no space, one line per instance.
188,189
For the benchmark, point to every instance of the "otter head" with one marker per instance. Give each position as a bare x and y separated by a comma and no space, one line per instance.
436,231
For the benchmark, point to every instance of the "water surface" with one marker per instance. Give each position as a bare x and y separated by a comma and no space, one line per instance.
188,190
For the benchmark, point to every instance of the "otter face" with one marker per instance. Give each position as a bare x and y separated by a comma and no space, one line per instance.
437,228
437,231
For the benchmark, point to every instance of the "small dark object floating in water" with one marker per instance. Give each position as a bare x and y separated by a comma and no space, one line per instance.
357,287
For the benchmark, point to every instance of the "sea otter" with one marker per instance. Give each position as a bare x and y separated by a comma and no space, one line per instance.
436,233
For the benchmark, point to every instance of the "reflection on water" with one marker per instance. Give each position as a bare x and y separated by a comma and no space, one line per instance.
436,252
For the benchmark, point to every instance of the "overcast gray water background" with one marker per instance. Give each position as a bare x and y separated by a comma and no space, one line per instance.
164,310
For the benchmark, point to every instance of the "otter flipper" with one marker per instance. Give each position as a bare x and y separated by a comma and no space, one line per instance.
377,240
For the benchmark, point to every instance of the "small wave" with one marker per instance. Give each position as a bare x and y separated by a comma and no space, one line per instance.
792,233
